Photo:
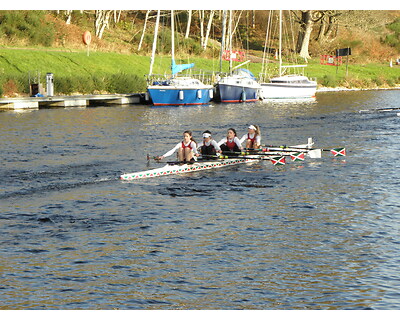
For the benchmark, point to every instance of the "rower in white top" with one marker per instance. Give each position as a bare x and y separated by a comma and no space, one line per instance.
231,142
209,147
252,138
186,149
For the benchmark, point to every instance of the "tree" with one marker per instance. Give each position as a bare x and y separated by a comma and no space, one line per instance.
201,23
144,29
328,22
67,14
208,29
102,20
188,24
307,21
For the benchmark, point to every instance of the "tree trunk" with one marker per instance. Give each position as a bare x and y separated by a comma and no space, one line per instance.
328,21
117,15
332,22
144,30
201,17
68,14
208,29
308,19
102,18
322,30
188,24
303,39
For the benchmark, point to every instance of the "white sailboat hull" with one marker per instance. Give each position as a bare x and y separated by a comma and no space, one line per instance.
289,87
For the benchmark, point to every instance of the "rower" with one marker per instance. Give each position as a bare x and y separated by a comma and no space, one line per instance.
231,142
209,147
252,138
186,149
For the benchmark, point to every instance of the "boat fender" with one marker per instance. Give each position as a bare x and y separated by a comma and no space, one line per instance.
199,94
243,96
211,93
181,95
147,96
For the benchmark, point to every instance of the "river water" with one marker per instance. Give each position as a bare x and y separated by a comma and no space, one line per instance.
322,234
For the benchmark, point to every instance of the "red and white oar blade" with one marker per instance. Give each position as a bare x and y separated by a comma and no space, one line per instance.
339,152
298,156
278,161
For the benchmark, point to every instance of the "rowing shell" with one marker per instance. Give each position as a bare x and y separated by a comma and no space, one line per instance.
185,168
198,166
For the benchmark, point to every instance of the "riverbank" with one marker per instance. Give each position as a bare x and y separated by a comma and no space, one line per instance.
327,89
113,73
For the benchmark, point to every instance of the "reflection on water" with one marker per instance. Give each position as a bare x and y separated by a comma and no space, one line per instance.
322,234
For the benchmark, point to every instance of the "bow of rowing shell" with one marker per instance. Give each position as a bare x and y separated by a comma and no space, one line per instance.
176,169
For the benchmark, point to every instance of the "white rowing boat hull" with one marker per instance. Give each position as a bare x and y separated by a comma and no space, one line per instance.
185,168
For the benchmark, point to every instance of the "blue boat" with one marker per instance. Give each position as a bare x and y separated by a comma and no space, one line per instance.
180,91
177,91
241,86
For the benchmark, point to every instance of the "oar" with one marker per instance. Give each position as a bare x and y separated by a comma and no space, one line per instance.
274,158
256,153
208,158
379,110
312,152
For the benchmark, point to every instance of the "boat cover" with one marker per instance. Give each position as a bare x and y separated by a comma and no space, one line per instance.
175,68
245,73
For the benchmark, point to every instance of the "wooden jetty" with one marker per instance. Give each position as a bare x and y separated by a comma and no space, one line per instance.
71,101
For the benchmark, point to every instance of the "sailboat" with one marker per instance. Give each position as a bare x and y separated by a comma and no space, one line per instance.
288,86
177,91
239,85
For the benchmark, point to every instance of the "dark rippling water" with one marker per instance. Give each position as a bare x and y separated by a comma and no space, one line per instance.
323,234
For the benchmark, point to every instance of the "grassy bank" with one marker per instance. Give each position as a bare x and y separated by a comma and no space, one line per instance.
101,72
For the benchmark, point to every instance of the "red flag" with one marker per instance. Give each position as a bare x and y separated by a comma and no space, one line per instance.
339,152
233,55
278,161
299,156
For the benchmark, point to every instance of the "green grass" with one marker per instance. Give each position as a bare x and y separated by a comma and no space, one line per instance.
69,63
122,73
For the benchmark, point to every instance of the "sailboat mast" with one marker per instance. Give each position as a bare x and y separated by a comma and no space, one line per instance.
172,35
230,40
280,43
153,52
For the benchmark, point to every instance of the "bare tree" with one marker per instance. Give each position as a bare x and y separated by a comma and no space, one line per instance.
328,22
188,24
102,21
144,29
210,19
201,23
307,21
67,14
117,15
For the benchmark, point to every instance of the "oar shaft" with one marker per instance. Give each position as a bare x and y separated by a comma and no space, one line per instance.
291,149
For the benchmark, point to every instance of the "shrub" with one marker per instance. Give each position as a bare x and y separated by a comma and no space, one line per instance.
125,83
391,82
114,83
329,80
379,81
63,85
28,24
10,88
